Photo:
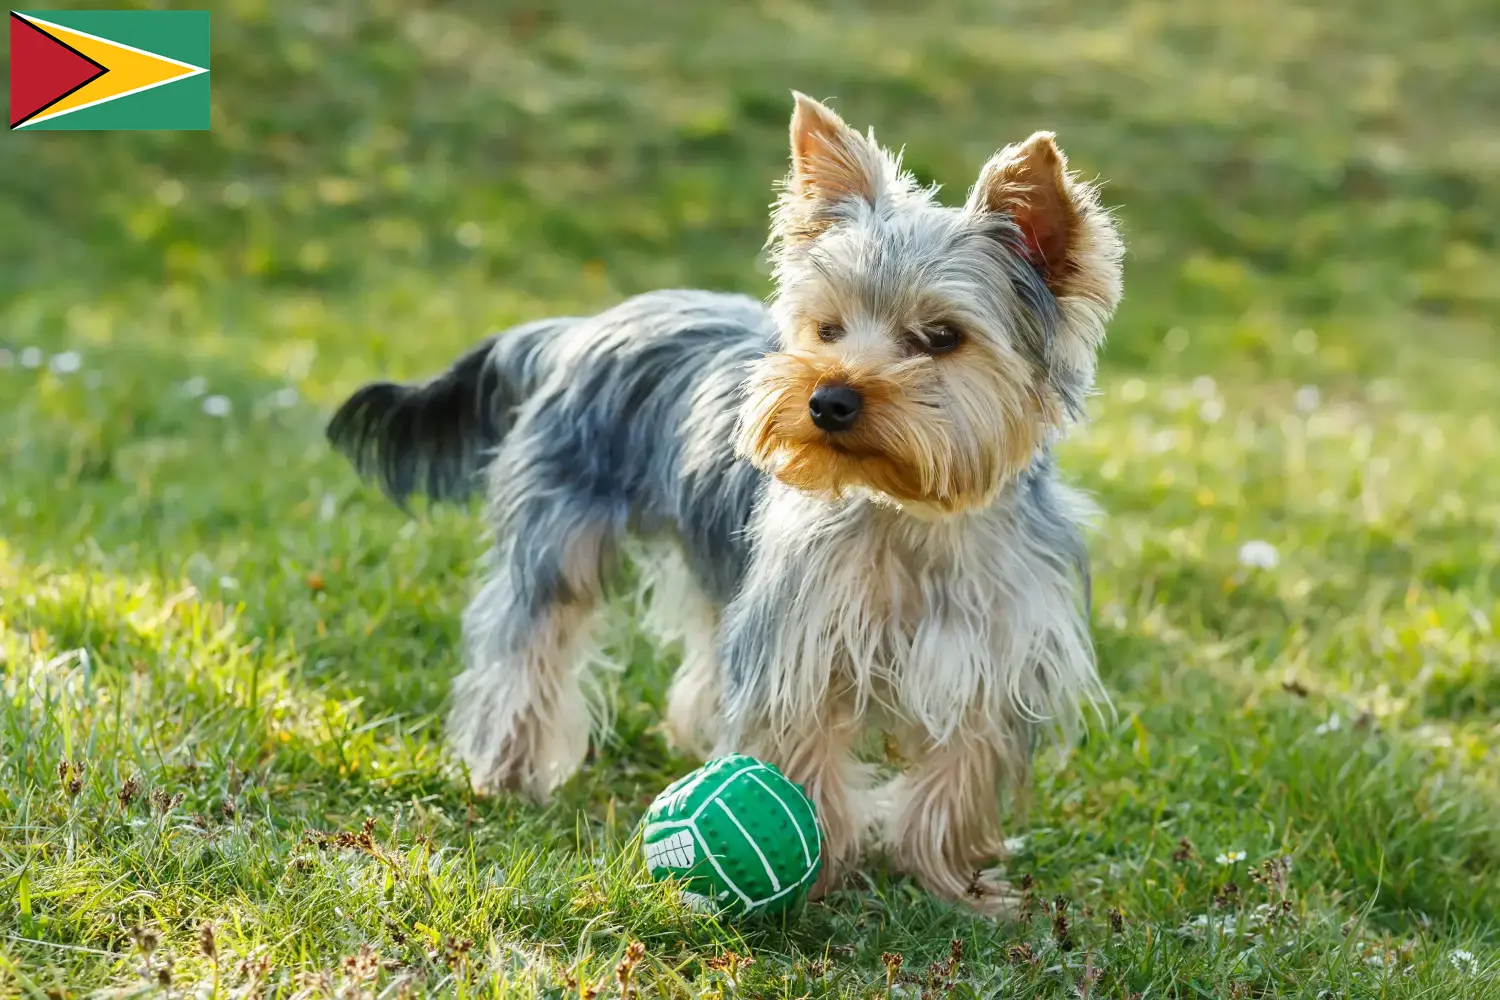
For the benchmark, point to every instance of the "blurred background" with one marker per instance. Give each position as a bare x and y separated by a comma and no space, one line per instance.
1309,192
381,170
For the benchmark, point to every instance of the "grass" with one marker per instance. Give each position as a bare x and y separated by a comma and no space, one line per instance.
238,644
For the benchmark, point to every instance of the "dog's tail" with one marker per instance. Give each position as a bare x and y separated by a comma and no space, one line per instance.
436,437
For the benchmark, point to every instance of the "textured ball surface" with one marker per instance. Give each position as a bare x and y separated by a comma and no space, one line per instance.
740,837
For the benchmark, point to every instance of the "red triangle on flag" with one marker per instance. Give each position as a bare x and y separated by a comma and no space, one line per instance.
43,70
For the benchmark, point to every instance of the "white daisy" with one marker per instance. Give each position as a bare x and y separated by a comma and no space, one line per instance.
1222,925
1259,554
170,192
65,363
1230,857
217,406
1333,725
1463,960
470,234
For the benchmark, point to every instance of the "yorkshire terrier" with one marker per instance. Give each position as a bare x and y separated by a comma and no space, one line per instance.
862,525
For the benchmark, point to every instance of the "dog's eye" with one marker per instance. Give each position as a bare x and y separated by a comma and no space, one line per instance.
829,332
940,339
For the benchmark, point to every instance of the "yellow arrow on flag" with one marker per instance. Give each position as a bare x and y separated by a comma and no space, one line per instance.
130,70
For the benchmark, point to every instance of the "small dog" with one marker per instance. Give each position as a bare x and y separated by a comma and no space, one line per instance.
854,485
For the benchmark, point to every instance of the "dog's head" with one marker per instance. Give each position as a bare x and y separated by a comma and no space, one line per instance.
926,353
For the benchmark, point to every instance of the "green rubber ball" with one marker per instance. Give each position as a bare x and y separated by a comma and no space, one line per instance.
738,835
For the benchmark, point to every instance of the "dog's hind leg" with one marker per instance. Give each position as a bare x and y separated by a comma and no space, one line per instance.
693,698
519,718
679,613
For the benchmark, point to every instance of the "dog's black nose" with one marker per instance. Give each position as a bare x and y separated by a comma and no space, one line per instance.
834,407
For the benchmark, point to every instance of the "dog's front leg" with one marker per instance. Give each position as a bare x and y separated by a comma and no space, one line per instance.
818,754
944,817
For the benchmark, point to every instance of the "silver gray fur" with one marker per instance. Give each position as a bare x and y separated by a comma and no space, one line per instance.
622,423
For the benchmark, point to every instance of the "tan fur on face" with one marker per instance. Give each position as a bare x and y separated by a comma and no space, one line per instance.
945,432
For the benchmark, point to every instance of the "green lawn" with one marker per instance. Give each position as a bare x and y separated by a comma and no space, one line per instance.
238,643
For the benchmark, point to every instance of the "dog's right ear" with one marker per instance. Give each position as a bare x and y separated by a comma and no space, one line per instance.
831,161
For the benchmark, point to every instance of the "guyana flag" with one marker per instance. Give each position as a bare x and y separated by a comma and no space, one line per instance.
109,69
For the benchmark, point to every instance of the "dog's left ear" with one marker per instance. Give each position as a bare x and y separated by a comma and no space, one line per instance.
1071,241
1029,182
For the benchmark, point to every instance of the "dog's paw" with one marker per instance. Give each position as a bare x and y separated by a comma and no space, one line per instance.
493,782
989,895
510,776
